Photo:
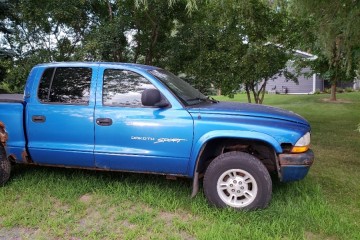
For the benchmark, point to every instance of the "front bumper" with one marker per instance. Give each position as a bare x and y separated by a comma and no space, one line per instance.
295,166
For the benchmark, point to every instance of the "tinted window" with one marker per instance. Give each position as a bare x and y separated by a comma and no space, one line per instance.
45,82
66,85
123,88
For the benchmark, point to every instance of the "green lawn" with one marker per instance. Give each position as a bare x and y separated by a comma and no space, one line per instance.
50,203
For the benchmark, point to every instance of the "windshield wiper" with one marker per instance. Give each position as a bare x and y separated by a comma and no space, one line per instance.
199,100
196,99
213,100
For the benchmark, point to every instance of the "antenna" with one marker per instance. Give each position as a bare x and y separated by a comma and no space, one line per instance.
200,58
200,64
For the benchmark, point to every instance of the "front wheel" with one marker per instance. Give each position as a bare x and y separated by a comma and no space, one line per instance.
5,167
238,180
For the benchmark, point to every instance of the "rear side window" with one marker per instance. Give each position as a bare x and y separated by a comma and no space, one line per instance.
124,88
66,85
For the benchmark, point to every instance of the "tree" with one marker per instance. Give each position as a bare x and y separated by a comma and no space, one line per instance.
335,27
219,43
128,33
106,39
5,11
153,26
260,64
232,44
43,31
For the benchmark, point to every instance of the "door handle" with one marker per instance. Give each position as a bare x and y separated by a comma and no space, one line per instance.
38,119
104,121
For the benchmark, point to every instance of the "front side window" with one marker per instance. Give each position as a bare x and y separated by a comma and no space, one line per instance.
67,85
124,88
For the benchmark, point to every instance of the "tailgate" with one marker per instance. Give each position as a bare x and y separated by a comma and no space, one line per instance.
11,115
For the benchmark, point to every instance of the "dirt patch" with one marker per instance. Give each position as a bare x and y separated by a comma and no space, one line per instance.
327,100
95,217
58,207
183,216
18,233
92,219
184,235
128,225
167,216
314,236
140,207
86,198
170,217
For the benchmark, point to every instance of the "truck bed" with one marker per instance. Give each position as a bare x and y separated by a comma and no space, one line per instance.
15,98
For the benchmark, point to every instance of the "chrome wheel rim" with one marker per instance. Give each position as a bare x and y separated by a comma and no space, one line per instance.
237,188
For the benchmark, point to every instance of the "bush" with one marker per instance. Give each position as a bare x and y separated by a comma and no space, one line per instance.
339,90
2,91
349,89
327,90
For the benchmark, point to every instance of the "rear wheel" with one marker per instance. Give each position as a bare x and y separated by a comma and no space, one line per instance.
5,167
237,180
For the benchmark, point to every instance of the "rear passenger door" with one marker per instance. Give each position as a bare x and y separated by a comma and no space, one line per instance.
60,119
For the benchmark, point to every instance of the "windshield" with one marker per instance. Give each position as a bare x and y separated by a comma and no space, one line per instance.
184,91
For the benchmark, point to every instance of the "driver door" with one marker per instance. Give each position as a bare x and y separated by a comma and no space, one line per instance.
132,137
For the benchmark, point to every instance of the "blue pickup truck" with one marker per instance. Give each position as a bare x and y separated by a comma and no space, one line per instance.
137,118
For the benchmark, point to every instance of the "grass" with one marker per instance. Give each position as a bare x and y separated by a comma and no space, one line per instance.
50,203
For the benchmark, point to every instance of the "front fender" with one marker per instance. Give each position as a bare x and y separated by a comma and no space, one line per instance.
250,135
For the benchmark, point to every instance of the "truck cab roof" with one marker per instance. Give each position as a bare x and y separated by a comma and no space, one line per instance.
108,64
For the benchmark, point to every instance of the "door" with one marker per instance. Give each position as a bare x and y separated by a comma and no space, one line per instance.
132,137
60,119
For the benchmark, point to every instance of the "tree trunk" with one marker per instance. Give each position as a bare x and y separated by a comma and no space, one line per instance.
255,93
262,93
154,37
137,52
110,10
218,92
335,62
333,92
137,49
248,93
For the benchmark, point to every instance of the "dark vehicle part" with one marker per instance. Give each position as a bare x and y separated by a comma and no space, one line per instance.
153,98
3,134
5,166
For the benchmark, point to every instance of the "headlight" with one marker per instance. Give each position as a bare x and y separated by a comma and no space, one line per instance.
302,145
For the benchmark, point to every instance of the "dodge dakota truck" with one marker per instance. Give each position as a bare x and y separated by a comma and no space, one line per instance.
137,118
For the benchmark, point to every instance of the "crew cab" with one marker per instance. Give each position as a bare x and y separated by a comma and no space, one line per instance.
137,118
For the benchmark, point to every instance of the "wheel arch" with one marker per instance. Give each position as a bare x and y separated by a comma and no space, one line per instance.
213,144
220,136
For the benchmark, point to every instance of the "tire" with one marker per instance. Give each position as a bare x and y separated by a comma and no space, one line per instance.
237,180
5,167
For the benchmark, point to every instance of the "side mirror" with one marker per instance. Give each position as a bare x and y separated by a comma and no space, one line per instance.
153,98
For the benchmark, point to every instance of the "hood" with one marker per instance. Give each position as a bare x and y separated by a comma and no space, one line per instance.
248,109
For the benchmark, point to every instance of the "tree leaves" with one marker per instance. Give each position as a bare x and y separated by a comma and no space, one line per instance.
334,28
222,44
